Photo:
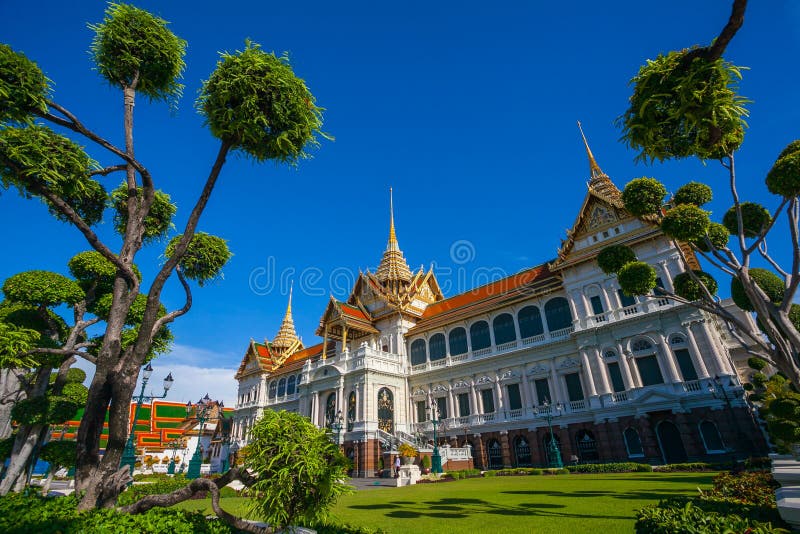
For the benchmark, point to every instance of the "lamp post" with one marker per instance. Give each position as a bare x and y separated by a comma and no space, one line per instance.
337,424
466,431
174,446
436,458
547,414
718,391
202,411
129,453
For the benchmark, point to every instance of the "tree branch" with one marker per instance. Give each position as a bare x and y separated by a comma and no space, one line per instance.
762,249
734,23
794,280
108,170
177,313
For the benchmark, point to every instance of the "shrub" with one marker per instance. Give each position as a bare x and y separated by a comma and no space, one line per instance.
717,234
685,222
407,450
644,196
684,516
755,218
637,278
688,288
611,259
756,363
425,462
769,282
160,485
747,487
693,466
784,176
619,467
693,193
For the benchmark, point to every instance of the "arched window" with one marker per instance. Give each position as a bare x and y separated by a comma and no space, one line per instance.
633,443
418,355
281,387
641,345
386,410
437,347
522,451
557,313
530,322
273,389
479,335
330,410
458,341
291,385
711,438
587,446
503,326
677,339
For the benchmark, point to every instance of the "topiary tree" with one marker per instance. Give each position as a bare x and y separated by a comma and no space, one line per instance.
252,102
686,104
293,470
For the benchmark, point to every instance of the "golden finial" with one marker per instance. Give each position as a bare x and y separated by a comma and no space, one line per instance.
286,335
392,245
393,265
593,166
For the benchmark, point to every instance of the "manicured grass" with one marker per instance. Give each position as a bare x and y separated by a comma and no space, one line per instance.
562,504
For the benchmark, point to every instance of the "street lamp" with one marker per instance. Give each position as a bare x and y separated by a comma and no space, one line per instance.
174,446
718,391
129,453
202,411
338,423
547,414
436,458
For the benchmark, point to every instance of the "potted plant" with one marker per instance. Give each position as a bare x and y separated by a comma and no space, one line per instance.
408,452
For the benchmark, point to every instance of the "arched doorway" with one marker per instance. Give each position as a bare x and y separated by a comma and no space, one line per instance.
330,410
386,410
669,439
495,454
522,452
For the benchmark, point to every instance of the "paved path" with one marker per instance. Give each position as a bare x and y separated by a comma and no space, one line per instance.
368,483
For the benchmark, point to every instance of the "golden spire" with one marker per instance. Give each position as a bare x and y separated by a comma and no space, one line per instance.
286,335
598,181
393,266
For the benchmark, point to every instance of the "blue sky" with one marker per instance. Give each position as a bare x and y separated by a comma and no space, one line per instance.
467,109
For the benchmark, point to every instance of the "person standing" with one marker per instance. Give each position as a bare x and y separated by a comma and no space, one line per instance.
397,467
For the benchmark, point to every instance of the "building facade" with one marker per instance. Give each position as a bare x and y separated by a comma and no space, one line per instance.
622,378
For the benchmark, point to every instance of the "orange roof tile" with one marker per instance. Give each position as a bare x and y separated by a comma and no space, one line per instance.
354,312
492,289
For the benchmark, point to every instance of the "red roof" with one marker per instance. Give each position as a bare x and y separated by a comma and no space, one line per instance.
352,311
487,291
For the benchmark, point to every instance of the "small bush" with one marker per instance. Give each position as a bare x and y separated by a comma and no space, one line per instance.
693,193
619,467
757,488
685,222
684,516
693,466
612,258
756,363
755,218
688,288
769,282
637,278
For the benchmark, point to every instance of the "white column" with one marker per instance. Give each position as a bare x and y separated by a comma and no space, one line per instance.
720,353
588,373
697,356
315,407
473,398
669,359
556,392
628,377
603,385
667,276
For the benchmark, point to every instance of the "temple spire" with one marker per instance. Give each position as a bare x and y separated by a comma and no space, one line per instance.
598,180
286,335
393,266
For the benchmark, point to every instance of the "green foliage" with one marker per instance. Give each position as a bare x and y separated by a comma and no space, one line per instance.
6,445
75,375
716,233
132,44
464,473
755,219
637,278
683,516
158,220
51,409
759,379
644,196
23,87
59,453
686,287
407,450
619,467
15,341
102,308
684,106
784,176
425,462
300,472
685,222
747,487
781,409
612,258
769,282
42,288
91,267
20,514
35,158
691,467
694,193
254,101
204,259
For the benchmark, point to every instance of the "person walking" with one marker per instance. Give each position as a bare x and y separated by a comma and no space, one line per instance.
397,467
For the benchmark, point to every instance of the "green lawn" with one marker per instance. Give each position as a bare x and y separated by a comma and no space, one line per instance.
562,504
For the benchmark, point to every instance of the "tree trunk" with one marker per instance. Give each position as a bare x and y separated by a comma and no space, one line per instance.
24,444
11,391
48,481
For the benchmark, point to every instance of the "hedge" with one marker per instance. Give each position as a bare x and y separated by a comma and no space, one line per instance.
620,467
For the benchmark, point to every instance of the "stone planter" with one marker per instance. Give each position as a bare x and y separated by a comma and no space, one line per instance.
408,460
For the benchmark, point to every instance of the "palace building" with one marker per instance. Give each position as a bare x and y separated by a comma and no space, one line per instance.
557,346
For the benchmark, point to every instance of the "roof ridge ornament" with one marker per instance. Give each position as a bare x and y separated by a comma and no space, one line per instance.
599,182
286,336
393,267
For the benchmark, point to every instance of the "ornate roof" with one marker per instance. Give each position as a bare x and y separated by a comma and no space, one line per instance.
286,339
393,267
